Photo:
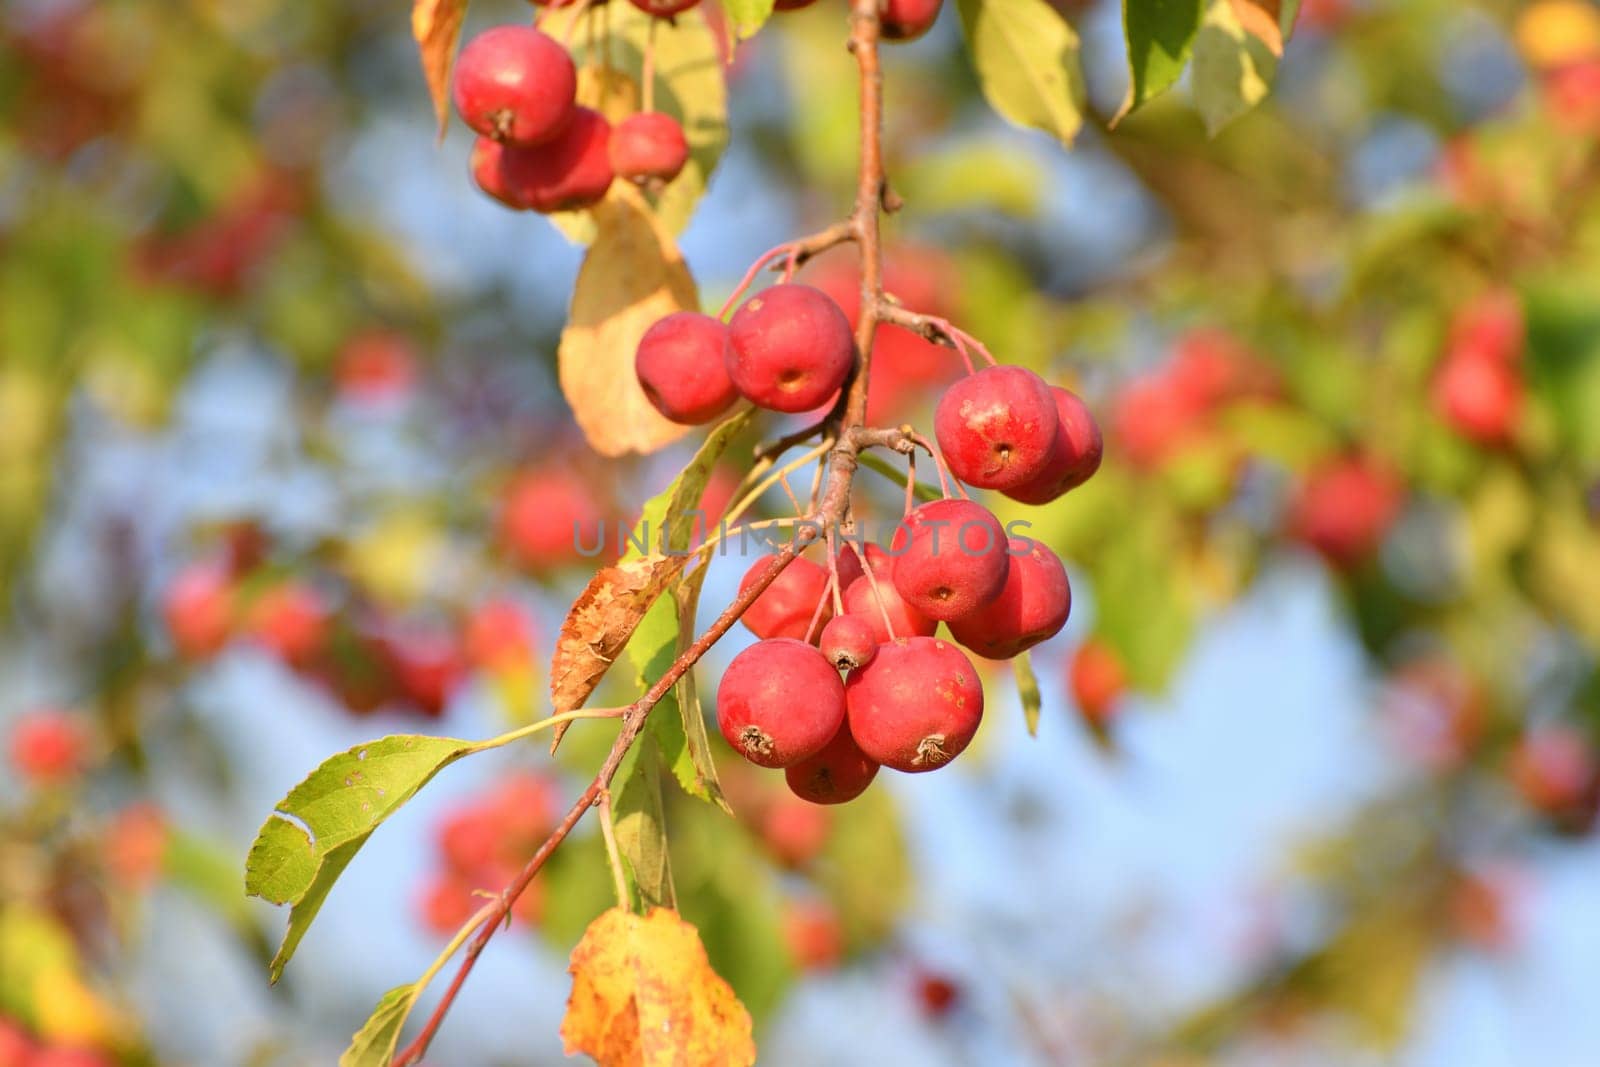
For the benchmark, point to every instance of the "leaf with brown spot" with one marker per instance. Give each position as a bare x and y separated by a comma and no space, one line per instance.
644,994
436,25
601,621
632,276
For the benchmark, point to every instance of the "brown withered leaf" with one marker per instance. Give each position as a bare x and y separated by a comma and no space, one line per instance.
436,24
600,622
632,275
1260,20
644,995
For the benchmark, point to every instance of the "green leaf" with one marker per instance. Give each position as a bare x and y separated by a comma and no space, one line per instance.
1159,34
668,519
1026,56
747,16
319,827
641,829
375,1043
1233,68
1027,691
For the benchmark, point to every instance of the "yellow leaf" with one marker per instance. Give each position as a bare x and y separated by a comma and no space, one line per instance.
600,622
632,276
436,24
1260,19
1553,33
644,994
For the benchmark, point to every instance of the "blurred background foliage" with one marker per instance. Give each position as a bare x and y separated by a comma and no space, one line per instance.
281,451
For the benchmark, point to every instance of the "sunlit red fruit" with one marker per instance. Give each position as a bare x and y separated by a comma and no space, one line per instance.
1572,96
376,367
16,1047
1478,387
649,146
1032,606
906,20
515,85
290,620
1097,680
663,9
814,935
70,1056
546,515
791,348
1152,419
1484,907
483,843
950,558
428,662
1553,769
849,641
779,702
218,255
199,609
916,706
1344,508
874,599
836,775
570,172
682,364
48,746
794,833
135,846
499,636
484,166
936,994
1075,454
996,428
787,606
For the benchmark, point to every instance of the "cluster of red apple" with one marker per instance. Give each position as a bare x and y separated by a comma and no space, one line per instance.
367,657
18,1048
537,149
482,844
912,702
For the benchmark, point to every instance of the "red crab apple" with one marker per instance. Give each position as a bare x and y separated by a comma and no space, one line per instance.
873,598
446,903
794,832
1478,396
70,1056
1344,508
16,1047
136,845
906,20
779,702
291,621
567,174
1074,456
663,9
485,167
814,935
996,428
950,558
499,636
838,774
916,706
516,85
47,746
682,364
791,348
849,641
1031,607
937,994
648,146
1553,768
1097,680
546,515
199,610
376,367
785,608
